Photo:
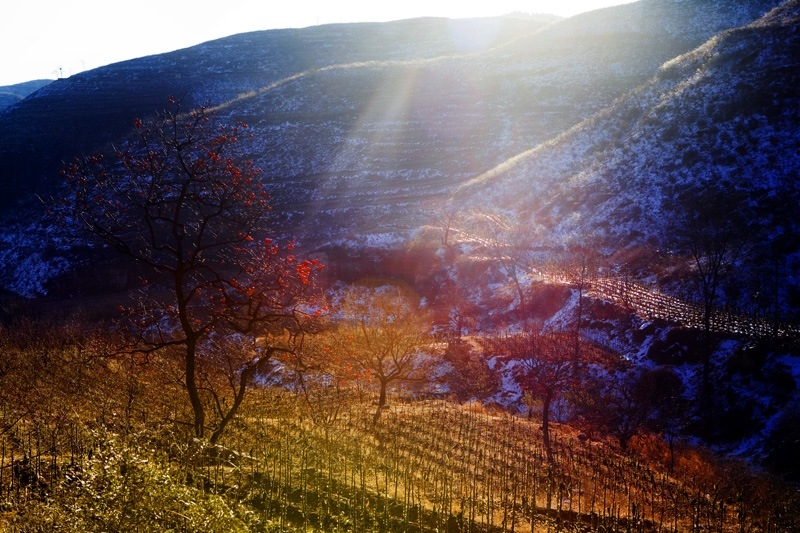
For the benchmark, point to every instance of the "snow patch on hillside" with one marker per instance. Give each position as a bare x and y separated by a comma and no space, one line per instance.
30,257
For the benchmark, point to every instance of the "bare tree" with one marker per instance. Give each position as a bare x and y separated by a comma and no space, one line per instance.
710,231
625,403
446,218
183,202
470,377
545,367
382,336
579,267
504,242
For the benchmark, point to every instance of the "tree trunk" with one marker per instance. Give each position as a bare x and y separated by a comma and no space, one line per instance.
624,439
244,379
381,403
546,428
512,272
192,389
706,392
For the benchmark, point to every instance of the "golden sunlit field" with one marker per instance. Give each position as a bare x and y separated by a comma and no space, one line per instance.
104,447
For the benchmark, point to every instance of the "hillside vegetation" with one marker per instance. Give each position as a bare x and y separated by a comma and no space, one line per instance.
100,446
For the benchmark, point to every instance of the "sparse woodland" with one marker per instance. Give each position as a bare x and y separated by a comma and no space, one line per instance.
234,394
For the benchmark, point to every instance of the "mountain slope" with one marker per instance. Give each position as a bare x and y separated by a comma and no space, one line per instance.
724,116
362,130
598,131
397,137
82,113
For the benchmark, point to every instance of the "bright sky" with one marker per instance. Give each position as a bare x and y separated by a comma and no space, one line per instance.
41,39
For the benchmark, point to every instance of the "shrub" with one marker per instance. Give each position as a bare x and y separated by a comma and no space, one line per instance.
121,487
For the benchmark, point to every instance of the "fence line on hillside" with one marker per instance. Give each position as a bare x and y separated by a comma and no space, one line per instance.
653,304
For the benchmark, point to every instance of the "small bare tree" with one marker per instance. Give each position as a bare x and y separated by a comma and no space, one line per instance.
382,336
579,267
545,367
506,243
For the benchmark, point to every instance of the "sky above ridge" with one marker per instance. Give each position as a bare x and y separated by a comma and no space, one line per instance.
52,39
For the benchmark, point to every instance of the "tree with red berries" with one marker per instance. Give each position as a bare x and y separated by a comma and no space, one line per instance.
183,202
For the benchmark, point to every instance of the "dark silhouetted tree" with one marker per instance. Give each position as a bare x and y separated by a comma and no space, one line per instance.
647,400
710,230
470,377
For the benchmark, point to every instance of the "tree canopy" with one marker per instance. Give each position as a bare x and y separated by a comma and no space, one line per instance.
182,200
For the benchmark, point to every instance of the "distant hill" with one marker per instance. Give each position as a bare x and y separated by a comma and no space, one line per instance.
11,94
514,82
84,112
